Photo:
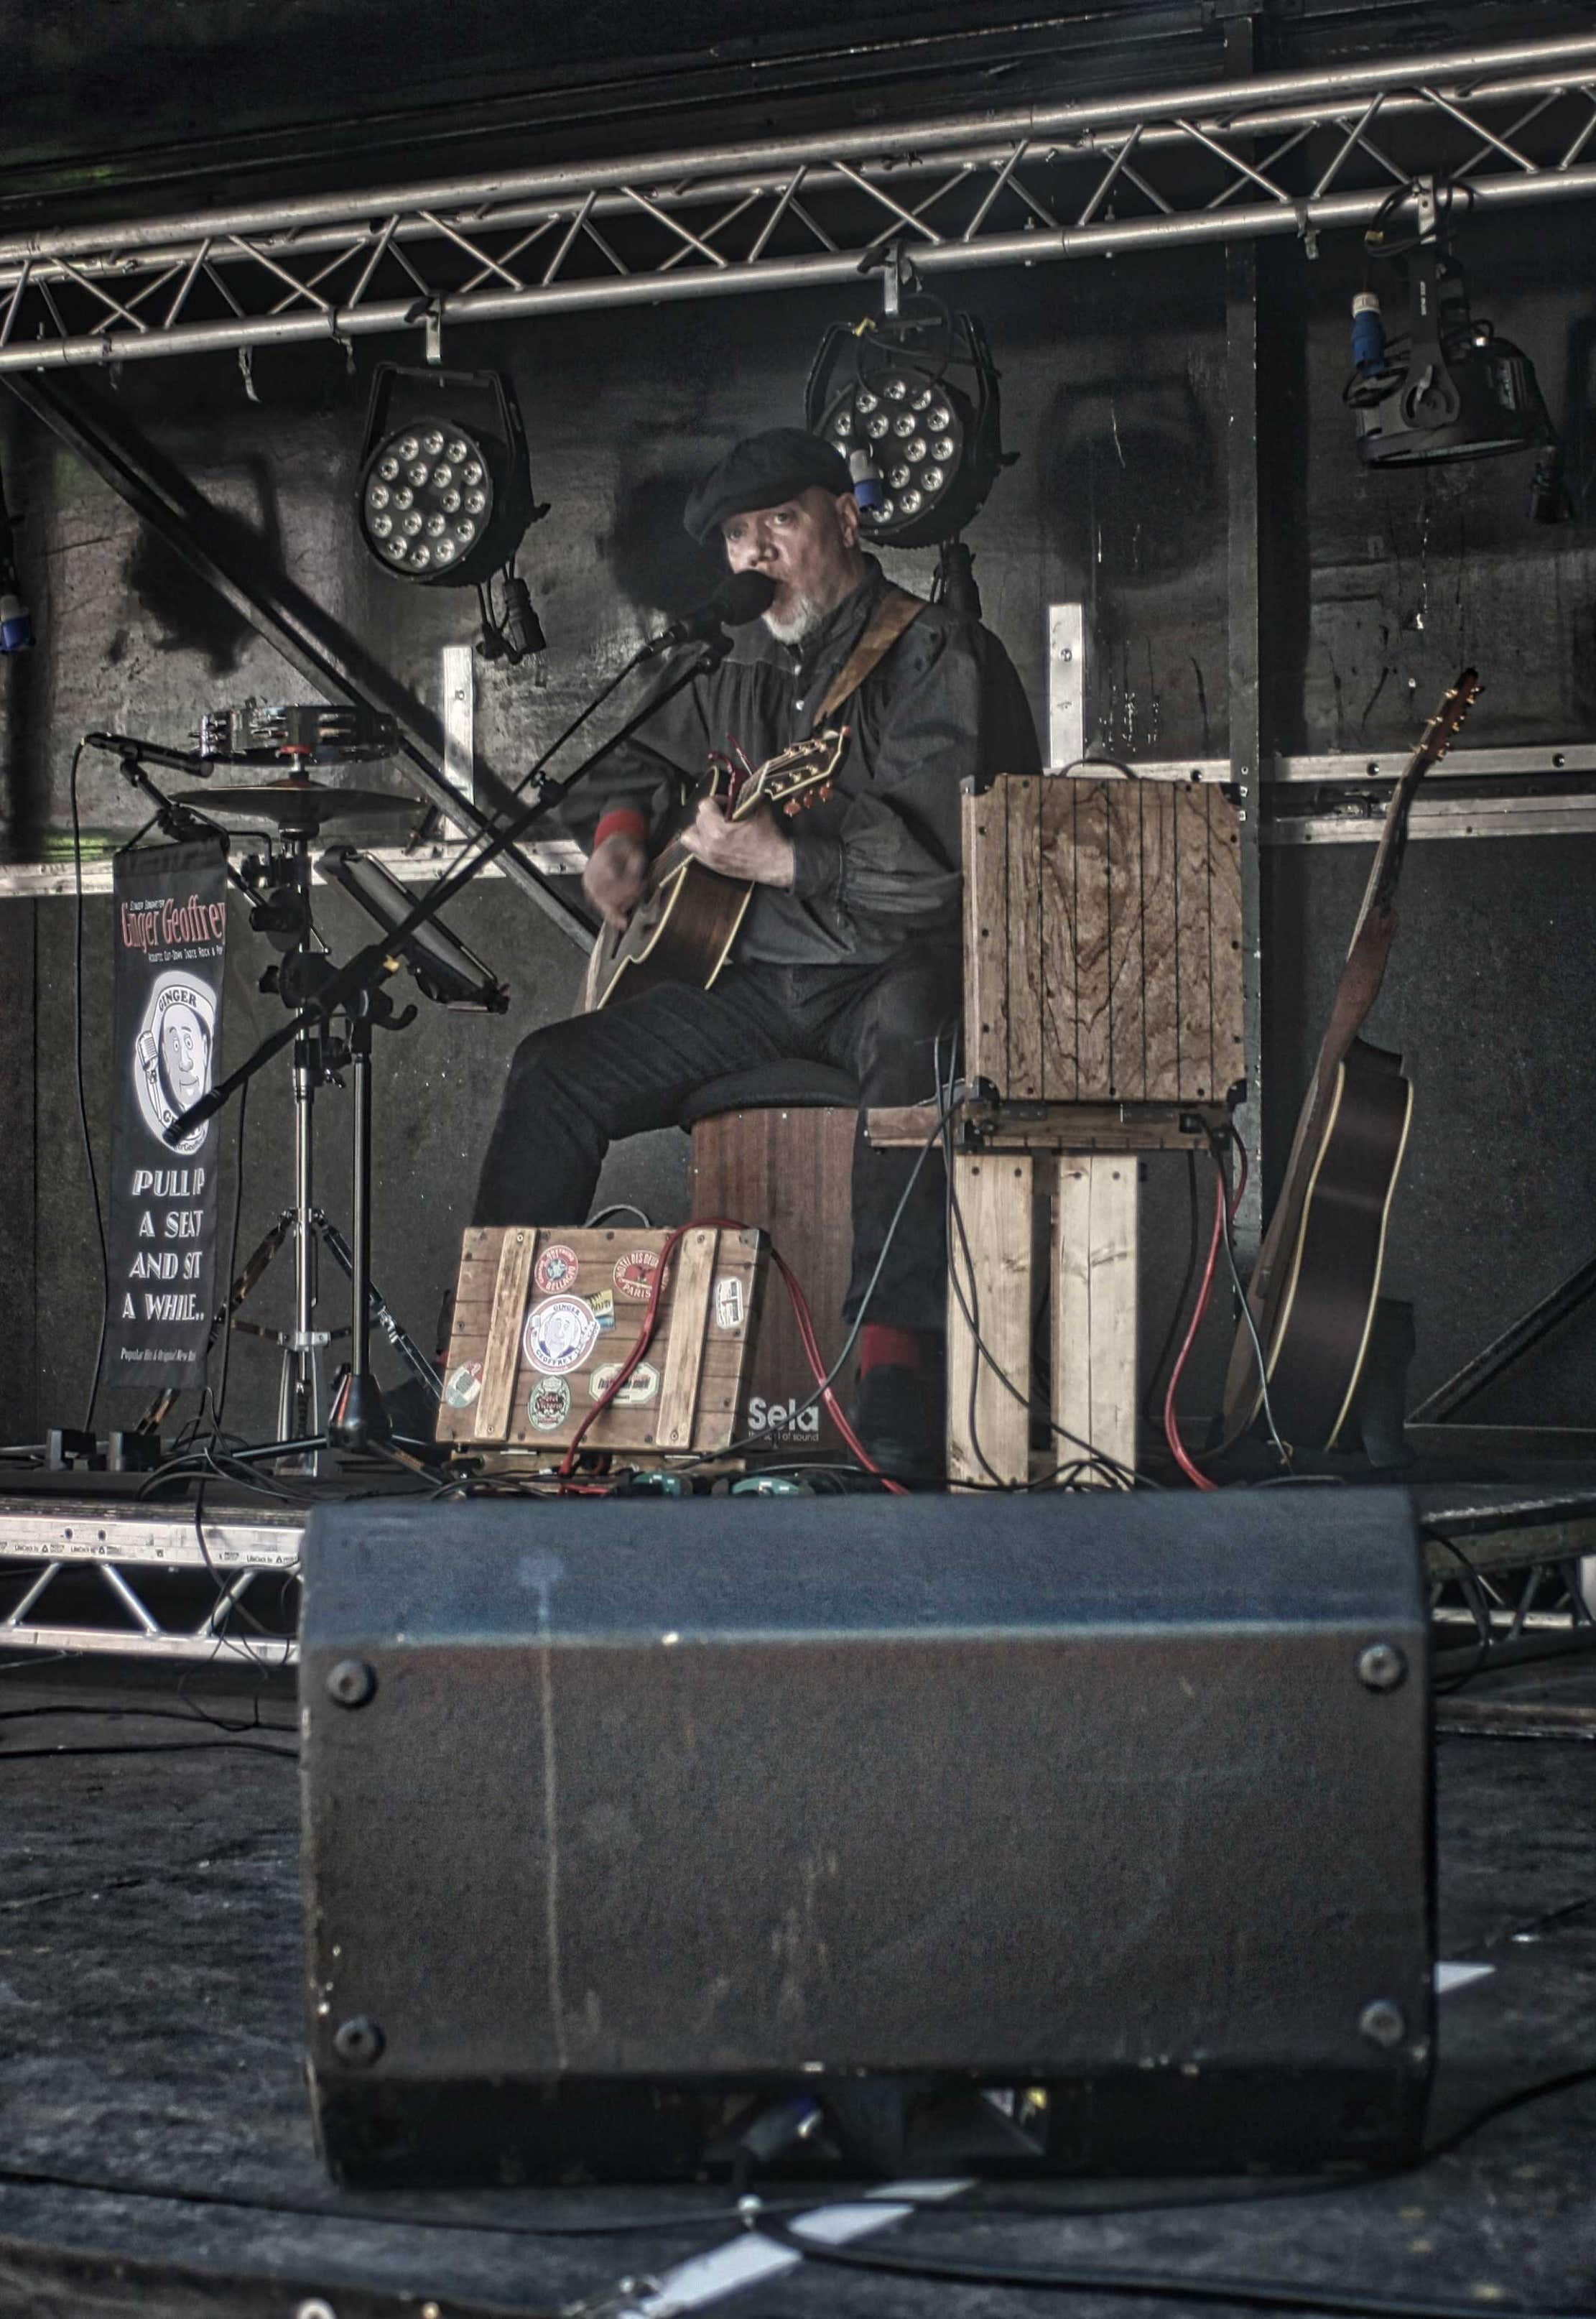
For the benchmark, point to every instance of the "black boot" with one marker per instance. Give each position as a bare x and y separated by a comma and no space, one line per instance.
893,1418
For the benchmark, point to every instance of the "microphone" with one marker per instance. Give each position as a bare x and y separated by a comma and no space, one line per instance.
737,601
124,744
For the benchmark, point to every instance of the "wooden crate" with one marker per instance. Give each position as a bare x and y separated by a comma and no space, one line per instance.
1103,940
540,1316
1090,1306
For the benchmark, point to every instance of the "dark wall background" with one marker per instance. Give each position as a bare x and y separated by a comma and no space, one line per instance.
1115,400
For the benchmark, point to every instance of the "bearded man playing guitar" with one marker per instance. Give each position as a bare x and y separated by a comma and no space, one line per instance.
849,950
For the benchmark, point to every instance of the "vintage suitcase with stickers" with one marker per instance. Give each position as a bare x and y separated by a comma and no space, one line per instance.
544,1319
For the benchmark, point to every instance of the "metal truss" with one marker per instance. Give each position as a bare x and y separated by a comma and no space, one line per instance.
1501,1592
110,1578
1283,153
106,1579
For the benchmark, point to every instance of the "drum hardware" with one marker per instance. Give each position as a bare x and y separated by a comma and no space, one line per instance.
411,936
276,882
260,733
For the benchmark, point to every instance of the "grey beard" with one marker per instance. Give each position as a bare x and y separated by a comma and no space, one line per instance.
802,622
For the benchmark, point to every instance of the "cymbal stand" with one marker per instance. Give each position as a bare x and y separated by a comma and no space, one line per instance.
357,1417
285,912
278,890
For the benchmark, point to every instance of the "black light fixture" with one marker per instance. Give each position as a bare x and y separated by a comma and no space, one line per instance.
917,419
446,490
1446,388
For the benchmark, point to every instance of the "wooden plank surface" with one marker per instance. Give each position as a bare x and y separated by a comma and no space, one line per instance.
501,1351
1092,838
1127,961
985,940
1160,943
1058,1126
1096,1211
694,1266
1056,881
994,1200
1022,793
1194,928
1224,912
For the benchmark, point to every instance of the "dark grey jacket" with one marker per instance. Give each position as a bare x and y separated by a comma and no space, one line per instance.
877,862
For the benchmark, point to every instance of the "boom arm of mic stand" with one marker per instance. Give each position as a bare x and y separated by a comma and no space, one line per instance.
372,966
180,823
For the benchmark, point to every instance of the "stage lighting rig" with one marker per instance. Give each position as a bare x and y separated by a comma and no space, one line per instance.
16,623
446,491
924,447
1447,387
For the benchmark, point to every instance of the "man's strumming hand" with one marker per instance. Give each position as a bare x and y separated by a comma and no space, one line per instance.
758,848
615,877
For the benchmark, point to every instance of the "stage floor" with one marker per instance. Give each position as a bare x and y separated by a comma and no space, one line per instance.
157,2152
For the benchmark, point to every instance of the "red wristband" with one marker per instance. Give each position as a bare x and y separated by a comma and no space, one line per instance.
621,821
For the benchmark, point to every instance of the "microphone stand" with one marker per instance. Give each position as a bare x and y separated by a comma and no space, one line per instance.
352,989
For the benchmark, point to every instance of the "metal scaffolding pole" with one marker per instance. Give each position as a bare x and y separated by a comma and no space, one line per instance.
1245,658
1281,153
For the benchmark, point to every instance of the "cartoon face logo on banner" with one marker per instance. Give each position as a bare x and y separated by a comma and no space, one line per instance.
172,1056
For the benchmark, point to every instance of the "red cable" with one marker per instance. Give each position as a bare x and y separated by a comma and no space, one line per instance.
806,1337
1171,1431
1221,1219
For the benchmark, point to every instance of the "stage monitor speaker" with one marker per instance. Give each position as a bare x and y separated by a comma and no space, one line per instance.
1062,1833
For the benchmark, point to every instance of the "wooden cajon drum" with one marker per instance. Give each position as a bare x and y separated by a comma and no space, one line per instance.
1102,999
774,1147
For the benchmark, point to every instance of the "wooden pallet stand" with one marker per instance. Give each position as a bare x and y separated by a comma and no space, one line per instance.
1050,1197
543,1317
1102,1019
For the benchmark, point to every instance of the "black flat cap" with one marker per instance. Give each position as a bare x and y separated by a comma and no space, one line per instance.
761,472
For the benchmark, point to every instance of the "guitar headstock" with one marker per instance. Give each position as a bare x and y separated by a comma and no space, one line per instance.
798,776
1449,718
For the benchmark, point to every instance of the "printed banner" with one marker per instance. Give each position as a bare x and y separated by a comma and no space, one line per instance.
171,922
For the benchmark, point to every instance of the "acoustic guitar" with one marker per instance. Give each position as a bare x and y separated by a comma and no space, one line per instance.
687,916
1313,1290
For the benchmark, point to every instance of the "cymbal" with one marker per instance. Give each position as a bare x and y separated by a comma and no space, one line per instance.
297,805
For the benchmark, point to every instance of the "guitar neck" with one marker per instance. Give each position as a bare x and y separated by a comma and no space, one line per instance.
1387,863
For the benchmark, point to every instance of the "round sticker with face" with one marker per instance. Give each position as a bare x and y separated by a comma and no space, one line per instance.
462,1385
555,1268
560,1334
172,1054
548,1404
634,1275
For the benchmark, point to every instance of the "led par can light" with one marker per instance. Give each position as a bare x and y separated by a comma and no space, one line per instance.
925,452
446,495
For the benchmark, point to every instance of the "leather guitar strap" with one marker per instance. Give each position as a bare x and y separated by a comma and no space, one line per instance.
895,612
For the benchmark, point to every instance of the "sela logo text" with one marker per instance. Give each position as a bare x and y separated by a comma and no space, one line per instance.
781,1417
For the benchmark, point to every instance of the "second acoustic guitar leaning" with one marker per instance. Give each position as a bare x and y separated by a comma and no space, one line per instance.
1312,1293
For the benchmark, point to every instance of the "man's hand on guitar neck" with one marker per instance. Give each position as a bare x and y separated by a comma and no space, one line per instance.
756,848
615,877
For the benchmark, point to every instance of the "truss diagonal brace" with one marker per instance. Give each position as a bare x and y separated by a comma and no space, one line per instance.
290,634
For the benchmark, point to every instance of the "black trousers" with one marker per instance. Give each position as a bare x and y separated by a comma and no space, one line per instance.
576,1086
